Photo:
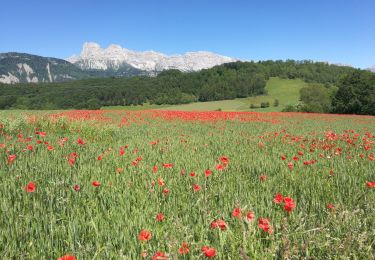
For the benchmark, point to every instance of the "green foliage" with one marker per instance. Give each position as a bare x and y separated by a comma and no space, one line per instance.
104,222
276,103
264,104
356,94
228,81
290,108
316,98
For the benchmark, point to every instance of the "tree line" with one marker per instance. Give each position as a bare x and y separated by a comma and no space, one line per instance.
227,81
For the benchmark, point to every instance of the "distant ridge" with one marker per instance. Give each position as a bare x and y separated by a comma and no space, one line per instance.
27,68
114,57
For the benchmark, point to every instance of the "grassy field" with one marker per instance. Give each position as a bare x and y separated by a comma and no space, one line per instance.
285,90
186,185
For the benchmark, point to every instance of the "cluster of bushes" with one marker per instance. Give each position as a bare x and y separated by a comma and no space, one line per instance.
265,104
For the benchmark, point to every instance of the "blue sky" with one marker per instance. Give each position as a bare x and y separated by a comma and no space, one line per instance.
326,30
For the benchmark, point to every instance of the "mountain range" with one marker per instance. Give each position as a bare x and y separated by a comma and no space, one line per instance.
114,57
95,61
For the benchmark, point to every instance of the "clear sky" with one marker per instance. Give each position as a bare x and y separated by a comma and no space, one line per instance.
339,31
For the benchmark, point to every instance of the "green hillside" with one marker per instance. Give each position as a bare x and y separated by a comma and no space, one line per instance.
285,90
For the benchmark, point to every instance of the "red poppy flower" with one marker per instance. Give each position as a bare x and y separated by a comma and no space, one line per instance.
209,251
283,157
50,148
155,169
263,178
144,235
224,160
192,174
76,187
278,198
165,191
167,165
250,216
80,141
159,256
289,204
219,224
219,167
207,172
371,184
236,213
161,182
100,158
11,158
134,163
67,257
330,206
95,183
290,165
184,249
71,161
196,187
30,187
264,224
160,217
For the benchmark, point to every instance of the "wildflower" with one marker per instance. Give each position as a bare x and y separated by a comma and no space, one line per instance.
144,235
219,167
263,178
80,141
159,256
207,172
250,216
155,169
161,182
30,187
95,183
209,251
167,165
264,224
76,187
184,249
219,224
290,165
289,204
330,206
67,257
160,217
371,184
278,198
11,158
196,187
236,213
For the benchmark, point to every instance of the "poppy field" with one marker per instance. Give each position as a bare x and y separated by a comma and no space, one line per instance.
186,185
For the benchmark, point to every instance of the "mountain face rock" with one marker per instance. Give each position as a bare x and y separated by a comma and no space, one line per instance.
93,57
26,68
372,68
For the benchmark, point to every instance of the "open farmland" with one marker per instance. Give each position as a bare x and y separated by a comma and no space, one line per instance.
186,185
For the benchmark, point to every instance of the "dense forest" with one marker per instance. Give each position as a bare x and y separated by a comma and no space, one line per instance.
227,81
